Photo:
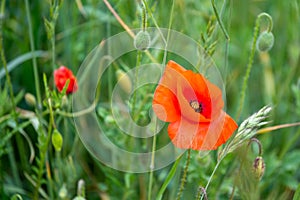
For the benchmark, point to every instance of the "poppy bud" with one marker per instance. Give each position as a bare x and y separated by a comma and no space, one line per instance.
61,76
124,80
142,40
258,167
57,140
30,99
265,41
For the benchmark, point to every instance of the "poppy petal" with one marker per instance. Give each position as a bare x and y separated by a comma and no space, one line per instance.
227,130
207,93
201,136
186,110
165,104
183,133
217,133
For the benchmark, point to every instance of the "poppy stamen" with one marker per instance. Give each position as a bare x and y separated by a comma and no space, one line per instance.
196,105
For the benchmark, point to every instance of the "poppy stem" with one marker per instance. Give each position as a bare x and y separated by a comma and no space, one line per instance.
34,62
219,20
249,67
184,176
11,93
211,176
152,167
251,57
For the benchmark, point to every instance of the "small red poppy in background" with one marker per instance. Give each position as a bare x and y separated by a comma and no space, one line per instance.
194,108
61,75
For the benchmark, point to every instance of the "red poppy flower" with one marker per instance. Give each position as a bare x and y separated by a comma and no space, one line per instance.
194,108
61,76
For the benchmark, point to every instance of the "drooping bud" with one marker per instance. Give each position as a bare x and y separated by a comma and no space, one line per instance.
265,41
124,81
30,99
142,40
57,140
259,167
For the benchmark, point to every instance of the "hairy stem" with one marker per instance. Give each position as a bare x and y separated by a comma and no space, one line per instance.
184,176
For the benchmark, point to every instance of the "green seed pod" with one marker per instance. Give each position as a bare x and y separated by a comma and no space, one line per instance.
265,41
124,81
57,140
259,167
142,40
30,99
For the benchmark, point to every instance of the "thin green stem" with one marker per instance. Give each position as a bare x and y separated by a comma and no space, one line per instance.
110,72
144,17
3,59
219,20
43,143
270,20
138,63
53,51
249,67
20,143
169,30
184,176
35,68
152,163
211,176
251,58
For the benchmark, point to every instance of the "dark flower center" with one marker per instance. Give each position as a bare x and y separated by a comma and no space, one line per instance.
196,105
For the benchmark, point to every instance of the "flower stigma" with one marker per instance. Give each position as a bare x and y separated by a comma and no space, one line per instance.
196,105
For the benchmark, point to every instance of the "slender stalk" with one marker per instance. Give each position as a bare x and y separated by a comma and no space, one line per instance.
53,52
19,140
43,142
251,58
154,137
184,176
249,67
152,164
138,63
212,174
219,20
3,59
169,30
35,68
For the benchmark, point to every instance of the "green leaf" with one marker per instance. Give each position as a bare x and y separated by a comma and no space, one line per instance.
16,197
168,179
16,62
